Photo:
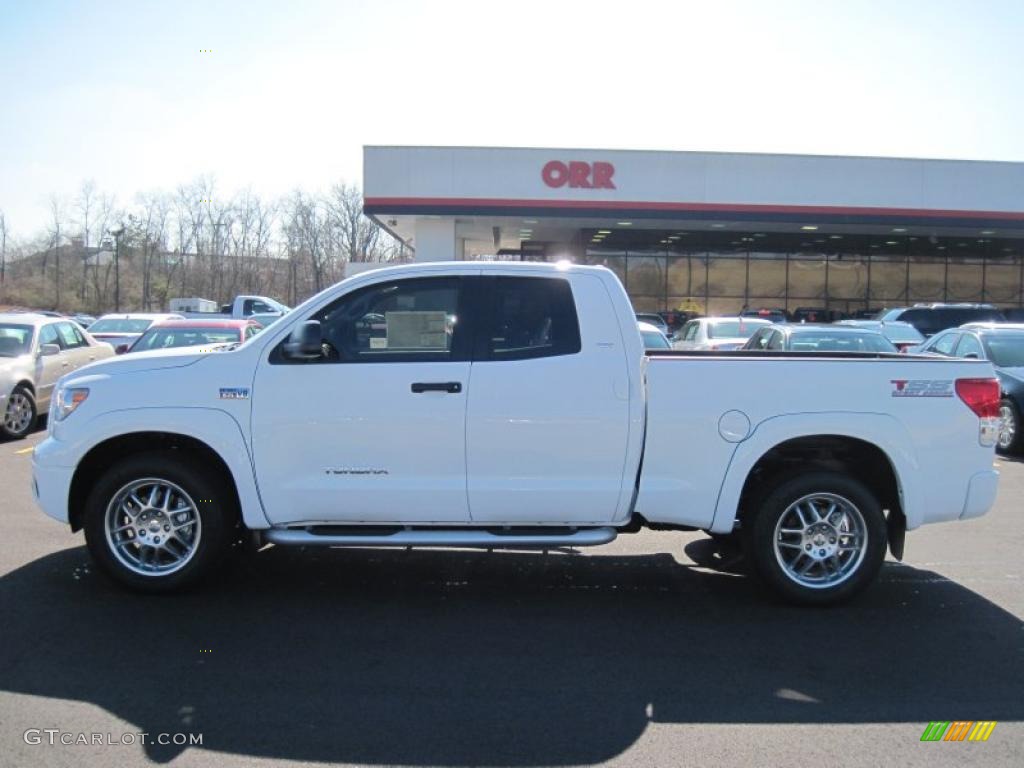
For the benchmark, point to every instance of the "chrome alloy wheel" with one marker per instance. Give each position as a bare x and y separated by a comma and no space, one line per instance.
18,413
820,540
152,527
1007,427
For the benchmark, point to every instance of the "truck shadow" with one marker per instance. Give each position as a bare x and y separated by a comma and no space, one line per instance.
462,658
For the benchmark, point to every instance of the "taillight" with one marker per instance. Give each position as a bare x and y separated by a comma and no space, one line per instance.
980,395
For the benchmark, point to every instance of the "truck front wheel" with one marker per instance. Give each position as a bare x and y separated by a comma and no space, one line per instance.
159,522
818,538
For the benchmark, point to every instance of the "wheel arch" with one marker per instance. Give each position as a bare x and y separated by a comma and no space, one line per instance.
105,453
877,455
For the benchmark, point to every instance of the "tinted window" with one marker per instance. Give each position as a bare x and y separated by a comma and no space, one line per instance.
690,331
969,345
413,320
654,340
759,340
776,341
48,335
732,329
531,317
120,325
15,339
832,341
167,338
70,337
1006,350
945,344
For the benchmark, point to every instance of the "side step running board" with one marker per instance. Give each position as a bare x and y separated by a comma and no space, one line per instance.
426,537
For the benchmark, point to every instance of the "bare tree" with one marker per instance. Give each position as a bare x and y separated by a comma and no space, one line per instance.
3,252
58,212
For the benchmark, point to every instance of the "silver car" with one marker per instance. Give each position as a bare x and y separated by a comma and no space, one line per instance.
35,351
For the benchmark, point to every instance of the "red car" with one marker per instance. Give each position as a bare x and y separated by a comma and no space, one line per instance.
192,333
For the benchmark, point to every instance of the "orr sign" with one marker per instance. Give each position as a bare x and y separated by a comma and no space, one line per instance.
578,174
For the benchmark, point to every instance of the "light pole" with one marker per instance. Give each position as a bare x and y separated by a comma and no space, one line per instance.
117,266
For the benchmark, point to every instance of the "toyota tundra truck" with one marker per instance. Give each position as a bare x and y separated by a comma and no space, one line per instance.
497,405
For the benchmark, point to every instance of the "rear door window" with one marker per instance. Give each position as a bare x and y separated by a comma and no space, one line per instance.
944,344
969,345
529,317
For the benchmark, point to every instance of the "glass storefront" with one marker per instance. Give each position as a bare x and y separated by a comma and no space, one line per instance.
726,281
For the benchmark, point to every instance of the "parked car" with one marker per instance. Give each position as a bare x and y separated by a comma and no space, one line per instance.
652,319
653,337
813,337
905,336
265,319
35,351
358,440
929,319
193,333
720,333
1002,344
122,329
1014,314
771,314
83,320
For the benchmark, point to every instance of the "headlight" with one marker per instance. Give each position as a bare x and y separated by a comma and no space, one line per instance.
67,400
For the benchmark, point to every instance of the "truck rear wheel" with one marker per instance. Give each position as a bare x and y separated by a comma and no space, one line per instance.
159,522
818,538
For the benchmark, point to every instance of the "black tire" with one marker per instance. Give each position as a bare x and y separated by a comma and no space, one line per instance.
213,502
22,394
1012,446
823,488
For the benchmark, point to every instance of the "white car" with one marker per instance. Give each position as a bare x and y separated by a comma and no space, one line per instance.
500,405
35,351
122,329
653,337
717,333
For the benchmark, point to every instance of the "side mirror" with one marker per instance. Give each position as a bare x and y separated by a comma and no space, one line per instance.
305,342
971,356
48,350
120,349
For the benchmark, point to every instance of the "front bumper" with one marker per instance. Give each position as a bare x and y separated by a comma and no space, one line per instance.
52,472
981,494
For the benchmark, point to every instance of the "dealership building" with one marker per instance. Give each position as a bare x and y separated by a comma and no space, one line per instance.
716,232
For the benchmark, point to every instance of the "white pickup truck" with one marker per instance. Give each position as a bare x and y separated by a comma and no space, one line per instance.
240,308
509,406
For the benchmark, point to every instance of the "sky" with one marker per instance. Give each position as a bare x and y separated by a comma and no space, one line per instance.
270,96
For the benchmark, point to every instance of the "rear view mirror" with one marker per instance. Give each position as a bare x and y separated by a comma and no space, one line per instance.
120,349
48,350
305,342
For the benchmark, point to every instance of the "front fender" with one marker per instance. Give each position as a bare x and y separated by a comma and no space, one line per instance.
212,426
884,431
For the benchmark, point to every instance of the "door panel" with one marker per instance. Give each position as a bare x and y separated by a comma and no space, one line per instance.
346,439
547,436
49,368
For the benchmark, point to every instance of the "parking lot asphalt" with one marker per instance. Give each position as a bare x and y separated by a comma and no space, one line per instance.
652,651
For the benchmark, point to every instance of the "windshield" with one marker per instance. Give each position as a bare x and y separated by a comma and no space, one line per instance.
166,338
904,334
1005,350
830,341
654,340
15,339
119,325
647,318
733,329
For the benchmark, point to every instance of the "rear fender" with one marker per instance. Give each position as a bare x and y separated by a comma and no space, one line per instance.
880,429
